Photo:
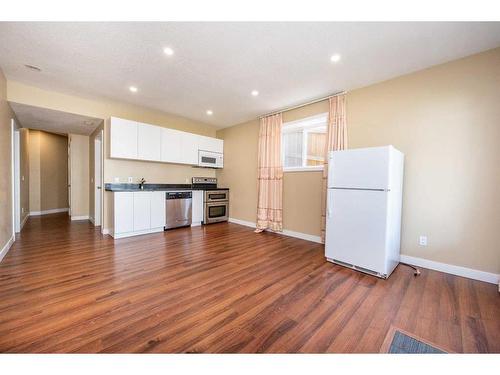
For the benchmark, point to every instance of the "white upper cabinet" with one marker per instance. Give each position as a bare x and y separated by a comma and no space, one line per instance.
189,147
210,144
133,140
123,138
148,142
171,145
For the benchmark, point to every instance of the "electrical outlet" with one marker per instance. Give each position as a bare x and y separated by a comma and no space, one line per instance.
422,241
117,180
130,180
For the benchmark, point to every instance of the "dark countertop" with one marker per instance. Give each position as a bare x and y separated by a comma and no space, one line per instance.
157,187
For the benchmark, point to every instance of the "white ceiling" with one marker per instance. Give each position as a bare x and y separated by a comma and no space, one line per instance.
216,65
54,121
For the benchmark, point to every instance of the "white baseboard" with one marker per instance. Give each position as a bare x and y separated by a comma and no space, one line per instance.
84,217
138,233
7,247
286,232
303,236
91,219
437,266
451,269
24,222
242,222
47,212
105,231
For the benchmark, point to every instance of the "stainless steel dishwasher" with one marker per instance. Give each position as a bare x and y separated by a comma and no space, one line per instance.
178,209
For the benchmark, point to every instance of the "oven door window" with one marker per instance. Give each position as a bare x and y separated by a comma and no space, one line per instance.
216,211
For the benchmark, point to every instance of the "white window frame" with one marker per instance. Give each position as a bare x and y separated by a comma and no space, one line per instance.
306,123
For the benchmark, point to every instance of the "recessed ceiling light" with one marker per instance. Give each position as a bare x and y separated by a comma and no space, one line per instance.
133,89
168,51
255,93
33,67
210,112
335,58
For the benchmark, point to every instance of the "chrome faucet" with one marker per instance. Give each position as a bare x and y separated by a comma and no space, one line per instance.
141,183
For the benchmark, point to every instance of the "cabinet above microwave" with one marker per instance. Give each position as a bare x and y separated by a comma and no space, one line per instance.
137,141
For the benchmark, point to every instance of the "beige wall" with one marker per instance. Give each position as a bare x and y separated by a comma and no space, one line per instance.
103,108
53,171
34,170
48,171
446,119
79,158
6,115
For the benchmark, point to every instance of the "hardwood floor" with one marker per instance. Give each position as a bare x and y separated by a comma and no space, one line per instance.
220,288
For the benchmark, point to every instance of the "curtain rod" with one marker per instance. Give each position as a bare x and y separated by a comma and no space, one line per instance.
303,104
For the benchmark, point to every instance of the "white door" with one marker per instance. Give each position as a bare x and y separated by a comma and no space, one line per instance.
364,168
149,142
123,138
17,182
157,209
356,228
123,212
171,145
15,178
142,210
69,175
97,181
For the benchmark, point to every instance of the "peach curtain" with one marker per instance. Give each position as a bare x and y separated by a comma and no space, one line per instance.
270,175
336,139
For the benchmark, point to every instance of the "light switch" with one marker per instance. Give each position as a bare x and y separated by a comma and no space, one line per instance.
130,180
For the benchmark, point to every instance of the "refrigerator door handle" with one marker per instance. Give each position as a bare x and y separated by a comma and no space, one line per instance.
329,213
367,189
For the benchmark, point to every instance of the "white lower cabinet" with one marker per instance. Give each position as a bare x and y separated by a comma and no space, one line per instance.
123,212
197,211
142,211
158,209
137,213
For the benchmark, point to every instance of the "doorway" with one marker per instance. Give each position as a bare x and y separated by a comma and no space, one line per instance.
98,179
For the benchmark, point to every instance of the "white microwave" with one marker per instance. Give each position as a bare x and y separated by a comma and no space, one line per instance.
210,159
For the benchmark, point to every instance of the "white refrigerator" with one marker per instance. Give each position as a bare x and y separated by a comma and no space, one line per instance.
363,215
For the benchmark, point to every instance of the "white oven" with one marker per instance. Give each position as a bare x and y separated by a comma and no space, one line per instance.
210,159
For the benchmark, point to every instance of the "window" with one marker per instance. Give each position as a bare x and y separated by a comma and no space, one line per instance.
303,143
